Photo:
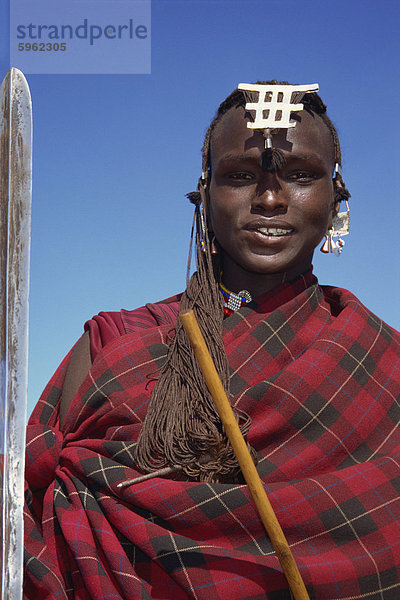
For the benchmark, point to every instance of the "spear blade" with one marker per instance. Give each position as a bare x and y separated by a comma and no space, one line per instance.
15,217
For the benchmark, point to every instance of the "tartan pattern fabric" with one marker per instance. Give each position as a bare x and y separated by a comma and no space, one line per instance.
319,375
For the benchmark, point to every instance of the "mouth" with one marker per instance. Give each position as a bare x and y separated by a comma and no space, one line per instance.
274,231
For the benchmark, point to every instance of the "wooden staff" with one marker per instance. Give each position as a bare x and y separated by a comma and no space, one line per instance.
243,456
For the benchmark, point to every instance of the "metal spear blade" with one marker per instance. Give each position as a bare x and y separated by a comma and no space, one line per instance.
15,209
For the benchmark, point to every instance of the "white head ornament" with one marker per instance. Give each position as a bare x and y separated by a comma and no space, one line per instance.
276,101
273,110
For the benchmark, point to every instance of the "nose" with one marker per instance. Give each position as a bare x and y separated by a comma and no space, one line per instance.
269,197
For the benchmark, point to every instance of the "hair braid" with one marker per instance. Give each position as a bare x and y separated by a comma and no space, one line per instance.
182,428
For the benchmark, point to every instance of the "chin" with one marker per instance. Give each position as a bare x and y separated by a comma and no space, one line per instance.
275,265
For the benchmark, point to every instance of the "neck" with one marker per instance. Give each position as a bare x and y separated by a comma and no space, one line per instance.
235,278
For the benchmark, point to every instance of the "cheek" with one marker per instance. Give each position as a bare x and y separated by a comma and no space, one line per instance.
319,215
211,216
218,211
318,209
218,221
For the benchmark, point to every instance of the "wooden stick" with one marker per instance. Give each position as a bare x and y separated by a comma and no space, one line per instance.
243,456
160,473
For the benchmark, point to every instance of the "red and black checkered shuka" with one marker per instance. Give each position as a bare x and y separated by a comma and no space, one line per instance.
319,375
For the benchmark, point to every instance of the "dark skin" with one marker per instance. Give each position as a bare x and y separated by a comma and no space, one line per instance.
78,368
268,224
243,198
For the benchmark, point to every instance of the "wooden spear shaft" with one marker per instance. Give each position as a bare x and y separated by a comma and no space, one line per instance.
243,456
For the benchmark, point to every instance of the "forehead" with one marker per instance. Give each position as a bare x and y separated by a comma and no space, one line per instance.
310,135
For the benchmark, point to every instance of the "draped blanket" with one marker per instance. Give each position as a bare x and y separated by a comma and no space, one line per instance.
319,374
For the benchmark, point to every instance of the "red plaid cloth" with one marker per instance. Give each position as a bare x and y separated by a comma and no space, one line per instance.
319,374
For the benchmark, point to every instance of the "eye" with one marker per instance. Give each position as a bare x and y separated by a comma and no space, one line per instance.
241,176
302,176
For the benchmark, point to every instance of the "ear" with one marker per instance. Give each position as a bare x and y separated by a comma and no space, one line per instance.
340,192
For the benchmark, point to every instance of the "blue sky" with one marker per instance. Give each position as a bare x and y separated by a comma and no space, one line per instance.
114,155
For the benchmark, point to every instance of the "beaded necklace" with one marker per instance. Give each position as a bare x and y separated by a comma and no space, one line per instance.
234,301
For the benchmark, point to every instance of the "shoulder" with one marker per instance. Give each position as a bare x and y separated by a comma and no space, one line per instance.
106,326
351,311
164,312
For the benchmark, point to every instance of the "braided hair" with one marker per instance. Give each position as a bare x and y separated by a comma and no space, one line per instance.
182,428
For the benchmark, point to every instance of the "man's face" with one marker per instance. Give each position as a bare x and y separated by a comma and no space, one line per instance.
269,223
